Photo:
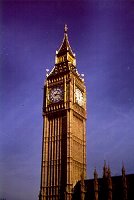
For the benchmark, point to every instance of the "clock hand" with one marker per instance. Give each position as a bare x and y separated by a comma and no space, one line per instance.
57,94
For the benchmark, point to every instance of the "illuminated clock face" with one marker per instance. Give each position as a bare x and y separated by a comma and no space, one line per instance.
79,96
56,94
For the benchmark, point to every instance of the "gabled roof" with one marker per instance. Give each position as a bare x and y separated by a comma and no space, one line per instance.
65,46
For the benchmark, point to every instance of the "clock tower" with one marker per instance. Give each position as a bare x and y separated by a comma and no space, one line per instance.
64,127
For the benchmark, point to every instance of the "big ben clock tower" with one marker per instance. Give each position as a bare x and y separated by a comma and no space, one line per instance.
64,127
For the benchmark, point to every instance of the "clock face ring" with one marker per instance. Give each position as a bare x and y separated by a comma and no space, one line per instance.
56,94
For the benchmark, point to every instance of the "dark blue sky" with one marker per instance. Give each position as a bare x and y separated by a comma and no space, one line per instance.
101,33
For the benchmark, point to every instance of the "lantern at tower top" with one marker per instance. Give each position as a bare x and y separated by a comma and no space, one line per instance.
65,52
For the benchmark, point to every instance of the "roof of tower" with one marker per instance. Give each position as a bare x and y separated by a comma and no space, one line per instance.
65,46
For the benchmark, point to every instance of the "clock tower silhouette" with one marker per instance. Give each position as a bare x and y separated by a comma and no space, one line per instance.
64,127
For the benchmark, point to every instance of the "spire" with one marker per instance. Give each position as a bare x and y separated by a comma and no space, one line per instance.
109,184
96,188
123,170
65,28
105,170
95,174
124,183
65,46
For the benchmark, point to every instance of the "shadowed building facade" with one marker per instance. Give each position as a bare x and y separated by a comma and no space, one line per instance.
64,126
106,188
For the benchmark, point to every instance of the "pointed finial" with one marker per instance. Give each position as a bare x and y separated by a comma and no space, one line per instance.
105,163
95,174
105,169
47,72
123,169
105,166
96,186
65,28
109,171
124,182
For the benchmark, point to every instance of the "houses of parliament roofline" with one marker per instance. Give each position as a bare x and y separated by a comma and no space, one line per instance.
106,188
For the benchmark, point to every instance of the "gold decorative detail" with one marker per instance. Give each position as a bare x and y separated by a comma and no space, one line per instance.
65,28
